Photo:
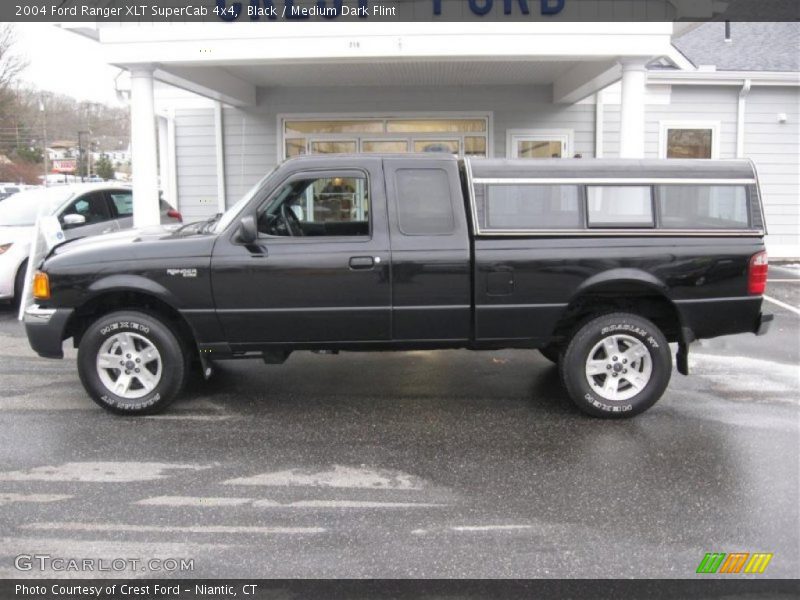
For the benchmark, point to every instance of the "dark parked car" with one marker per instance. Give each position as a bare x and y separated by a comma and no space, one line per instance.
600,264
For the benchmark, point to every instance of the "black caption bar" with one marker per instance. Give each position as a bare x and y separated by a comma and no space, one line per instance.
263,589
229,11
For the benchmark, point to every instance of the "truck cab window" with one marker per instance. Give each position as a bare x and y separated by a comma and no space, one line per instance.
424,205
318,207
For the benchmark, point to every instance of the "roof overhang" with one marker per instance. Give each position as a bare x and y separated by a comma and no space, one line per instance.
733,78
228,62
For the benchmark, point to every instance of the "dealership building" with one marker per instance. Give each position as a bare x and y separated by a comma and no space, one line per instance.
233,100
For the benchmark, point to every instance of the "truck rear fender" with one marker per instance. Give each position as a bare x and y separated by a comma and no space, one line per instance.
628,290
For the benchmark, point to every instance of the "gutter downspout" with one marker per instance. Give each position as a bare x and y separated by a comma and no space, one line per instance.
599,116
740,118
220,156
172,160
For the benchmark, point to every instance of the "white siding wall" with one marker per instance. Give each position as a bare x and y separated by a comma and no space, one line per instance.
775,148
695,103
195,163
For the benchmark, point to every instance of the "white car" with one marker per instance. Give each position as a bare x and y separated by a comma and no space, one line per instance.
8,189
82,210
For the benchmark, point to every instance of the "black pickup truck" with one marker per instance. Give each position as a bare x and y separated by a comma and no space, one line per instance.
599,264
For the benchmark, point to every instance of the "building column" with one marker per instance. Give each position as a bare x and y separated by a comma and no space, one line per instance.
631,131
144,149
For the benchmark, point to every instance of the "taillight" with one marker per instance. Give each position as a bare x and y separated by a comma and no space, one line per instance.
174,214
757,273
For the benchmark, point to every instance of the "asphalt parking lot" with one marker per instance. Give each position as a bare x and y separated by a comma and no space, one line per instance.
419,464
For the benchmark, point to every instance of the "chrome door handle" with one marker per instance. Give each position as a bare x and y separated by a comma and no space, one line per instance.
362,262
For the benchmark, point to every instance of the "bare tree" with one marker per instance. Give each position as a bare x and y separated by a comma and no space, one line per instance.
11,64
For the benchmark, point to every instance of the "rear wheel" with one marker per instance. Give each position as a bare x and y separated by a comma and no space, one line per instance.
616,366
132,363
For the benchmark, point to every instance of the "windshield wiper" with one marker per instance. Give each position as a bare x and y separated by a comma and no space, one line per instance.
201,226
209,222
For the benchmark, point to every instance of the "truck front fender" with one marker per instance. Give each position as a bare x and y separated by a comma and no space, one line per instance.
131,283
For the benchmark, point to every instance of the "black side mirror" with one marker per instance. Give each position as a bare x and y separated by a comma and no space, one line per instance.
248,231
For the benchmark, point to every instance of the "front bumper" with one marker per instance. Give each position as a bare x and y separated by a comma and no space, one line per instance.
763,324
45,329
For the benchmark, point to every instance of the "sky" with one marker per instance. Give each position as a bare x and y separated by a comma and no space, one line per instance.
64,62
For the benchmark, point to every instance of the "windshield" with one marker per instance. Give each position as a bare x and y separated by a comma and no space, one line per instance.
21,210
229,215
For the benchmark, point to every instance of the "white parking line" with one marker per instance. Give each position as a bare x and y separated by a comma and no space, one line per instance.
794,309
193,501
99,472
783,281
8,498
344,504
337,477
490,527
188,417
109,527
212,502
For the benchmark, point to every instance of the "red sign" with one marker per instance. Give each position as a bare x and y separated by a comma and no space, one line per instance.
65,165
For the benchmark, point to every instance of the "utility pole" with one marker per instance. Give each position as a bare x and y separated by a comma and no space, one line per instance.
44,137
80,150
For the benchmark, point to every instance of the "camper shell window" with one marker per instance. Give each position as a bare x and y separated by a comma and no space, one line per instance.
615,197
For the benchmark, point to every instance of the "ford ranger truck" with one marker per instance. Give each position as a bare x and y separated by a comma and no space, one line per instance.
598,264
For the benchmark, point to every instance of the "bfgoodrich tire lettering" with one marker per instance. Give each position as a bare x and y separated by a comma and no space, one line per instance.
616,366
131,363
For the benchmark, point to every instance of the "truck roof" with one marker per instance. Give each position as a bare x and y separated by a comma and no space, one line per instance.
612,168
572,168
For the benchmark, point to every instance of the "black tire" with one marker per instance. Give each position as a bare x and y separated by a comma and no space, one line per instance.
147,329
19,283
587,396
551,353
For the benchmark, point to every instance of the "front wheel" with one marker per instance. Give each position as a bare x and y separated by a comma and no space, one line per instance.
617,365
131,363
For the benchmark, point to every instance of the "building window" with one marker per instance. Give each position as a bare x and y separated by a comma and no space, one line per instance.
465,136
619,206
333,147
689,140
384,146
446,146
537,143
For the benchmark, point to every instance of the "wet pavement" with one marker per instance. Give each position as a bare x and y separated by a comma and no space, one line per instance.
416,464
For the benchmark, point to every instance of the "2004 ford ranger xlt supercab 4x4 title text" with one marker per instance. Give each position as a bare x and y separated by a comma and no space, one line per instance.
599,264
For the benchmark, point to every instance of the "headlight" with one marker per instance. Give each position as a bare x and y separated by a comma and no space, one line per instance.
4,247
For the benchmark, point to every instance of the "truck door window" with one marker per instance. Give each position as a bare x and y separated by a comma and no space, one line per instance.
317,207
424,202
